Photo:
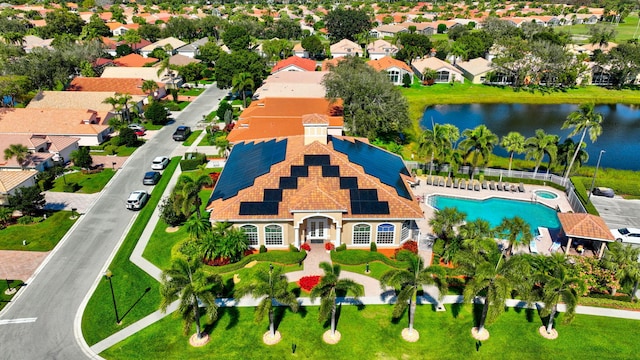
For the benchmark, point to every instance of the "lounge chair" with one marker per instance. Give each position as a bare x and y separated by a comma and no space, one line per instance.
521,187
463,184
449,182
500,186
428,180
492,185
435,180
533,247
455,183
469,185
484,184
441,182
554,247
476,186
513,188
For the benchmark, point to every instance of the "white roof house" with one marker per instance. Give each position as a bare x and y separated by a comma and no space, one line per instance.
475,69
381,48
191,50
445,71
163,44
296,84
345,47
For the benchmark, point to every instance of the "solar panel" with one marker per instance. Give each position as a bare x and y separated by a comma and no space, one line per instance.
247,162
348,182
330,171
272,195
317,160
369,207
288,183
376,162
299,171
258,208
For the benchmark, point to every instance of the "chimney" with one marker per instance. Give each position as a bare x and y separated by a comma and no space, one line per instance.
315,128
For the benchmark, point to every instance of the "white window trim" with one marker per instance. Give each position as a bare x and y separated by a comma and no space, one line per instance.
281,232
353,229
257,233
393,239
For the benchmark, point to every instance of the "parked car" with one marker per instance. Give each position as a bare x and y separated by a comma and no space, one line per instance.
137,127
603,191
627,235
151,178
137,200
140,132
160,162
181,133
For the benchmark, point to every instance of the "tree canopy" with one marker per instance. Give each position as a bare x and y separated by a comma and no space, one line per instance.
228,65
346,23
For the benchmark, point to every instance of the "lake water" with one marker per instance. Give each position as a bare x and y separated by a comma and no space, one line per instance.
620,129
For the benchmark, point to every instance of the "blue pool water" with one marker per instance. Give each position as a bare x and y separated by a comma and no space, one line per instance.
494,210
545,194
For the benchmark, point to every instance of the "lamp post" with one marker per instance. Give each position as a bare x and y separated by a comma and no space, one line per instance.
593,181
108,274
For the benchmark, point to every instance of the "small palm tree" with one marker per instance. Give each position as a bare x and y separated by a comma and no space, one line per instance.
241,82
429,76
149,87
197,227
623,259
516,231
513,142
410,280
20,152
444,221
479,142
537,146
272,287
586,119
329,285
187,282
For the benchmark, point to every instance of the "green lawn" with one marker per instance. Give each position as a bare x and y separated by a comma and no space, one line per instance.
625,30
89,183
4,298
192,92
43,236
192,138
369,333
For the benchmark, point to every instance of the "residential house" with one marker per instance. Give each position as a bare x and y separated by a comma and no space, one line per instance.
167,77
119,29
425,28
132,86
11,181
274,117
87,125
31,41
134,60
395,69
294,63
111,46
381,48
78,100
191,50
387,31
170,45
182,60
44,150
345,47
293,84
316,189
299,51
445,72
475,70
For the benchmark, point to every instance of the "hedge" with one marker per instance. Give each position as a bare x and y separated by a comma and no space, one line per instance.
192,161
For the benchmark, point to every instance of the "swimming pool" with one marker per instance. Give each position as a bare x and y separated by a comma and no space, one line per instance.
545,194
495,209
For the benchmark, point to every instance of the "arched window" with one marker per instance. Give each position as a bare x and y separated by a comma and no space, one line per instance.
361,234
385,234
273,235
252,234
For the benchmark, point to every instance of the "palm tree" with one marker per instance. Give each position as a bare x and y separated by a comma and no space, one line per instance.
583,120
241,82
149,87
125,100
114,101
20,152
272,287
197,227
566,150
444,221
539,145
163,66
623,259
186,194
474,233
491,276
513,142
479,142
438,139
454,158
187,282
557,285
326,290
410,280
5,215
516,230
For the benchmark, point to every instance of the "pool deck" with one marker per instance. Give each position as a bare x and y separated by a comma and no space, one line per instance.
543,243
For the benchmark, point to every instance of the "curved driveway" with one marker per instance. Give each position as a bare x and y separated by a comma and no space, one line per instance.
39,323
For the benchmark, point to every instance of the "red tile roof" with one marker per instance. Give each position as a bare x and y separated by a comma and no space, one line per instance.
134,60
122,86
296,61
585,226
388,62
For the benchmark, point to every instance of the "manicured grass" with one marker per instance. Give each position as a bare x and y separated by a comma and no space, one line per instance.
4,298
192,92
89,183
192,138
129,281
43,236
625,30
376,269
369,333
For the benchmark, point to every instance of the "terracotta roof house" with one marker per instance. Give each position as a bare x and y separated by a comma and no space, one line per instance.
316,189
44,150
294,63
134,60
182,60
10,181
445,71
146,73
170,41
475,70
191,50
131,86
111,45
293,84
118,29
396,69
327,64
280,117
381,48
345,47
87,125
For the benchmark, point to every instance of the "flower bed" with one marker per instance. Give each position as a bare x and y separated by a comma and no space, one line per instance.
329,246
408,245
308,282
306,247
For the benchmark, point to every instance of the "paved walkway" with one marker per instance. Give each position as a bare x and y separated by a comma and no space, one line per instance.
20,265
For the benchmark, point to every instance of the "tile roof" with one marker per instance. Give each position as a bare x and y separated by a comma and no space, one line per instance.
74,100
585,226
329,63
134,60
298,84
146,73
175,44
387,63
131,86
380,47
182,60
346,46
314,191
9,180
295,61
50,121
433,63
41,147
475,66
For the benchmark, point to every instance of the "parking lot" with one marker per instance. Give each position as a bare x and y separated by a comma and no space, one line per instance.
618,212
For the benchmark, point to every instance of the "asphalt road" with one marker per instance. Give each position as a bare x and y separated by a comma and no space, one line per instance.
39,323
618,212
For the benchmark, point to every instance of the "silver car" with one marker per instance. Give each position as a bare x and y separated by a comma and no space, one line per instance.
160,162
137,200
627,235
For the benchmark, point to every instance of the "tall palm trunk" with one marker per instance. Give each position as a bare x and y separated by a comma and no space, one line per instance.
412,311
483,316
575,154
635,289
272,326
333,319
550,324
510,161
196,313
433,154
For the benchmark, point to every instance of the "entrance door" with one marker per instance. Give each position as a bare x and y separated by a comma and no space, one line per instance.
317,230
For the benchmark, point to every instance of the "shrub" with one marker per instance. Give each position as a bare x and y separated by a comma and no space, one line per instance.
25,220
70,187
156,113
373,247
168,213
342,247
127,137
438,247
411,246
308,282
111,149
263,249
306,247
192,161
329,246
293,248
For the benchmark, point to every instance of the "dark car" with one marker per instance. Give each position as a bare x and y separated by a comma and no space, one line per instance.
603,191
151,178
181,133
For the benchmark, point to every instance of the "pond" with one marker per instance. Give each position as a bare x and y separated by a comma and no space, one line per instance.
620,128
